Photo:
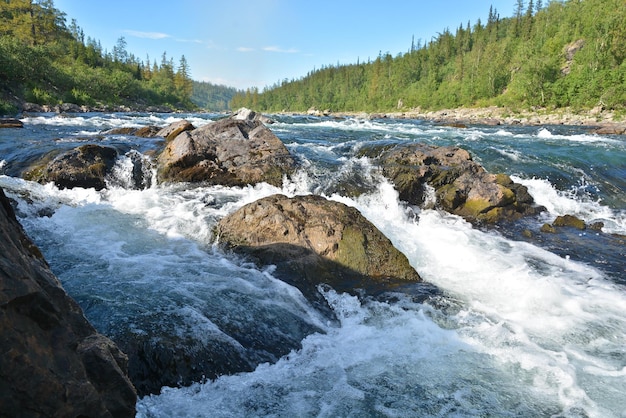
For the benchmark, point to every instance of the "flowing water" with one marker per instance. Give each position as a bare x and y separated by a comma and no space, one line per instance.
523,325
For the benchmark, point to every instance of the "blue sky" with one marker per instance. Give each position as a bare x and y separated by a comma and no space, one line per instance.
246,43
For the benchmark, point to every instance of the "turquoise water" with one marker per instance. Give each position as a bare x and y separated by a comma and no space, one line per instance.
522,326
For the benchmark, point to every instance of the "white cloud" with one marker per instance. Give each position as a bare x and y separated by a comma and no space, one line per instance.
147,35
278,49
245,49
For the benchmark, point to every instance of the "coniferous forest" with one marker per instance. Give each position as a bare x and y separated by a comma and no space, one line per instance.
47,61
549,54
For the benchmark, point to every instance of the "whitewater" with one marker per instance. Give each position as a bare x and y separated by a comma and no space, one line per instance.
521,324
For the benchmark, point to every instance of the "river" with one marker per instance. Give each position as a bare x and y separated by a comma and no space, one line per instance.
525,323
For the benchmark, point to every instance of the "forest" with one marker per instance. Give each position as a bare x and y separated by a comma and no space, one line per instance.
44,60
212,97
554,54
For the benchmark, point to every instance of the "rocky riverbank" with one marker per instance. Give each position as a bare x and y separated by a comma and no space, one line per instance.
597,119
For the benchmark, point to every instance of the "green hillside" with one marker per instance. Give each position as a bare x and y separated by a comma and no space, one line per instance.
213,97
549,54
46,61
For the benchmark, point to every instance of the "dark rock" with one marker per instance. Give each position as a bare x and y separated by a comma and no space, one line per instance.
147,132
231,152
312,240
461,185
569,221
596,226
120,131
174,129
144,132
85,166
70,108
11,123
53,362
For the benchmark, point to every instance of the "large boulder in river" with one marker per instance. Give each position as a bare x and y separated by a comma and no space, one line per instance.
231,152
461,185
313,241
53,362
86,166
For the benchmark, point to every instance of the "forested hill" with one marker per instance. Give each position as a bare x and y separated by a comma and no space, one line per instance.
47,61
548,54
210,96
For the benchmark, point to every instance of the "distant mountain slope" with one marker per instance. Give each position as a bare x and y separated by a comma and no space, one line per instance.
210,96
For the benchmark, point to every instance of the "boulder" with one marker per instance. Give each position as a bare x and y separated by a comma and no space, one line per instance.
11,123
85,166
231,152
143,132
462,186
174,129
570,221
247,114
53,362
610,129
313,241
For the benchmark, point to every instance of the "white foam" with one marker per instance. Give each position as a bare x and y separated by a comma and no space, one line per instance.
559,203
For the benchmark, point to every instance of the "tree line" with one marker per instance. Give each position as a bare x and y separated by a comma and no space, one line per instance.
567,53
46,61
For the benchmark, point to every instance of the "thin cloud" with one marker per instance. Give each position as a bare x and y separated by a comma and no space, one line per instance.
281,50
147,35
245,49
189,41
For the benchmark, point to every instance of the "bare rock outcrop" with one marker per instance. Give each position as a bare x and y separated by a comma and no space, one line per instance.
312,241
85,166
233,151
461,185
53,361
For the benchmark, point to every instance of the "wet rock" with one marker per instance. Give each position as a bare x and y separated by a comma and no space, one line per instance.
143,132
86,166
462,186
53,362
612,129
231,152
569,221
174,129
250,115
11,123
548,229
313,241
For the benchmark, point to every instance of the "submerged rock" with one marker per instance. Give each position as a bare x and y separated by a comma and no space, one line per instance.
86,166
313,241
231,152
462,186
53,362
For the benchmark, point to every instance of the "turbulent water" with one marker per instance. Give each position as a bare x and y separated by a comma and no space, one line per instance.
524,325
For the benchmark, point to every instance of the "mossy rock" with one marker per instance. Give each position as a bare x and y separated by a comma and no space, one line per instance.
569,221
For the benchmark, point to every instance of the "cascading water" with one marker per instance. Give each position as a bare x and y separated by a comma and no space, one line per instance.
520,327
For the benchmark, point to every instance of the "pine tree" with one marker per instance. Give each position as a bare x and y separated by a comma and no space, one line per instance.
182,79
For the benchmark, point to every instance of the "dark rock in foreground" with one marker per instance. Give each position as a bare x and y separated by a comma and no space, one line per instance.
312,241
53,362
461,185
86,166
235,151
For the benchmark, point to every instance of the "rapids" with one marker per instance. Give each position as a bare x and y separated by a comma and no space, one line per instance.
521,326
